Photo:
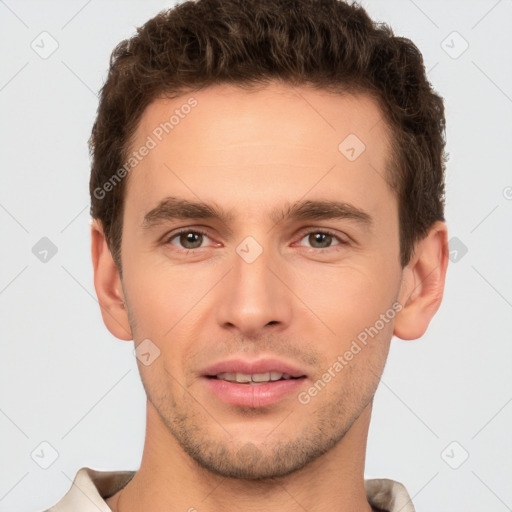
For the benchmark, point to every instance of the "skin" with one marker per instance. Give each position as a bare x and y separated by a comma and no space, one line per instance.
302,300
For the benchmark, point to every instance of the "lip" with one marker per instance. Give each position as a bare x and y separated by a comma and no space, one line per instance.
249,367
253,395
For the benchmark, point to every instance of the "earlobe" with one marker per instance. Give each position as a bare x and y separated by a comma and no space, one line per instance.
108,286
423,284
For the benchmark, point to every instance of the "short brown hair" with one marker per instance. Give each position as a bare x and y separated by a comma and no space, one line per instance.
329,44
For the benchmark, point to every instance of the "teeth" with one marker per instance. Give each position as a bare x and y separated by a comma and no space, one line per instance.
255,377
227,376
260,377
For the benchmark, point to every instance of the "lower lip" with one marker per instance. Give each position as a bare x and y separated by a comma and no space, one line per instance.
254,395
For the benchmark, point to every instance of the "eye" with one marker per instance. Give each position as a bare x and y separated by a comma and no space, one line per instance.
188,238
322,239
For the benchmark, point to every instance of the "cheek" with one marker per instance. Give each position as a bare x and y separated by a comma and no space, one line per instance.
345,298
168,304
161,293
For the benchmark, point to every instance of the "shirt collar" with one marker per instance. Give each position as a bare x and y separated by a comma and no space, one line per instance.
91,487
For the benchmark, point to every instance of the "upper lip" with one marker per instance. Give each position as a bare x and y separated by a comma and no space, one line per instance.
263,365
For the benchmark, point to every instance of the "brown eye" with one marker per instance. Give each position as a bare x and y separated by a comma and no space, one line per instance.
188,239
322,239
192,238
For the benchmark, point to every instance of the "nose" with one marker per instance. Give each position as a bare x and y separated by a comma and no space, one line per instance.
253,298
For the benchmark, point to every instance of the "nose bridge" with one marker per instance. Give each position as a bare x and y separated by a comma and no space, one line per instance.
251,266
252,295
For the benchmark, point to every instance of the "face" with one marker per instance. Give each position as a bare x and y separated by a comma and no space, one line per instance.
290,256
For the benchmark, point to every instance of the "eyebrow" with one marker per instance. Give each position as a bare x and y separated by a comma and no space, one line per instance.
173,208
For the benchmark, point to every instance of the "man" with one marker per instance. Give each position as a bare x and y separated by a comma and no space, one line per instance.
267,198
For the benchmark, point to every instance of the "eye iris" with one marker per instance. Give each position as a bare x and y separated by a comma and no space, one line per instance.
195,239
320,237
190,237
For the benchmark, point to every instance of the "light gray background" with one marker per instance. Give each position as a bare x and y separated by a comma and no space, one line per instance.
66,381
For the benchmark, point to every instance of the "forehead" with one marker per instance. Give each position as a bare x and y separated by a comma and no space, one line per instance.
278,138
223,110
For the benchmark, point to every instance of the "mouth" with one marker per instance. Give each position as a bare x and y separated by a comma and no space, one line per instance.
255,378
253,384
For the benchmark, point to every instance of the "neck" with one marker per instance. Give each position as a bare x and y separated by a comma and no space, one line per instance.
168,479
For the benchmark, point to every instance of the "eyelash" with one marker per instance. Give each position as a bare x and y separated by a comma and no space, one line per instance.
303,234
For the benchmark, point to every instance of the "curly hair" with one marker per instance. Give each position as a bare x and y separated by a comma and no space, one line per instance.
328,44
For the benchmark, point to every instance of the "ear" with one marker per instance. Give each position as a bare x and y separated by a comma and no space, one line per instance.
108,286
423,284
